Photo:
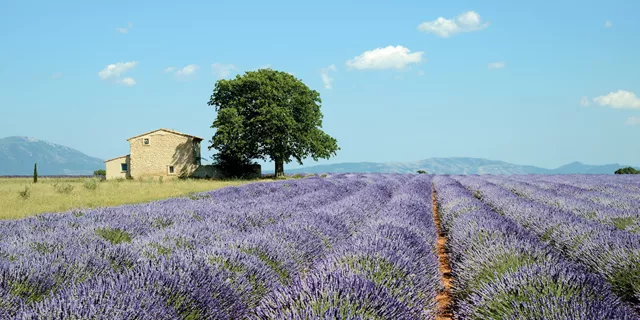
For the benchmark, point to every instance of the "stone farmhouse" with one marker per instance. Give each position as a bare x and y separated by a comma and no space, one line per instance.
158,153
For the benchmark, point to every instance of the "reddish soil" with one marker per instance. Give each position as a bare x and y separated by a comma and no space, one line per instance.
444,297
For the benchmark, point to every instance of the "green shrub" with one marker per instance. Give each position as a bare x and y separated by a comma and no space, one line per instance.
64,188
90,184
100,172
160,179
26,193
421,172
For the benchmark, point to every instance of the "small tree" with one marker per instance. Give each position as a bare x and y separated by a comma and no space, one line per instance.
627,170
35,173
422,172
100,172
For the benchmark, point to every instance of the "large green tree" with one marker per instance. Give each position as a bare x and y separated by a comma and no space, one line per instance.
268,115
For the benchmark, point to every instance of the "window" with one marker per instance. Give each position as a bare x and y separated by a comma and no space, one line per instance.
123,166
145,141
171,170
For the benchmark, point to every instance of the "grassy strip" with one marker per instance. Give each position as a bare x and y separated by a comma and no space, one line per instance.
63,194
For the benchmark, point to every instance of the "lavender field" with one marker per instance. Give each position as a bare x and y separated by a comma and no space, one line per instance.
348,246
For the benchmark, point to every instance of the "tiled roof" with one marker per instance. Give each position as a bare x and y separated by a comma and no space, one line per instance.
167,130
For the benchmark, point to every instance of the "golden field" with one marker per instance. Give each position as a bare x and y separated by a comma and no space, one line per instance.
62,194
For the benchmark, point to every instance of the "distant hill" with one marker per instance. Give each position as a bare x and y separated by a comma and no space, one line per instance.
18,154
457,165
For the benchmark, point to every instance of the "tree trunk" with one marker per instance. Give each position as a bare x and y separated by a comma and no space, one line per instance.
279,168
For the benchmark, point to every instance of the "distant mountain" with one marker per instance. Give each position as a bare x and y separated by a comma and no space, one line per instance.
457,165
18,154
578,167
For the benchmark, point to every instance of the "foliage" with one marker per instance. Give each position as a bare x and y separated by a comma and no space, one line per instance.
113,235
35,173
90,184
421,172
100,172
26,193
627,170
268,115
63,188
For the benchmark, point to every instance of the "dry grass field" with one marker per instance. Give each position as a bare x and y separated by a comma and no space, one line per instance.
20,197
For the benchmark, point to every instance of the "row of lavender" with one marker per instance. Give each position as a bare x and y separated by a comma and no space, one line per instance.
348,245
502,271
603,249
617,209
393,249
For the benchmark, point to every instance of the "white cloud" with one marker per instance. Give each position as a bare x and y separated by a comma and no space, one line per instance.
114,70
584,101
56,75
385,58
619,100
633,121
222,70
421,73
184,71
608,24
465,22
326,79
128,81
266,66
187,70
126,29
496,65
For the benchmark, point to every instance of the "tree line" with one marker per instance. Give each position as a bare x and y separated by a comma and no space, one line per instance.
627,170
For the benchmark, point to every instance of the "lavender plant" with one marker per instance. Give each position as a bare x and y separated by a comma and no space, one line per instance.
501,271
355,246
603,249
213,255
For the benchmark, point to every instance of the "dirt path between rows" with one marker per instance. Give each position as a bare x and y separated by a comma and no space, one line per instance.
444,298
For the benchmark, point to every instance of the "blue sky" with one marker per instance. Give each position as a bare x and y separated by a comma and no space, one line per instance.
541,83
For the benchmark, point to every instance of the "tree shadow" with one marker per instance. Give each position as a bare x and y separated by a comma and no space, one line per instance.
186,158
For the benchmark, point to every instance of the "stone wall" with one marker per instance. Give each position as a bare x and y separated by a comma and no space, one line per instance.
165,149
114,168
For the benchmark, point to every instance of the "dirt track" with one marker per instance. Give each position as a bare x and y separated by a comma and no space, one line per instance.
444,298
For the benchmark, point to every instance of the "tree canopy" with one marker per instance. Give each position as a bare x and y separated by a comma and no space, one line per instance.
627,170
268,115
